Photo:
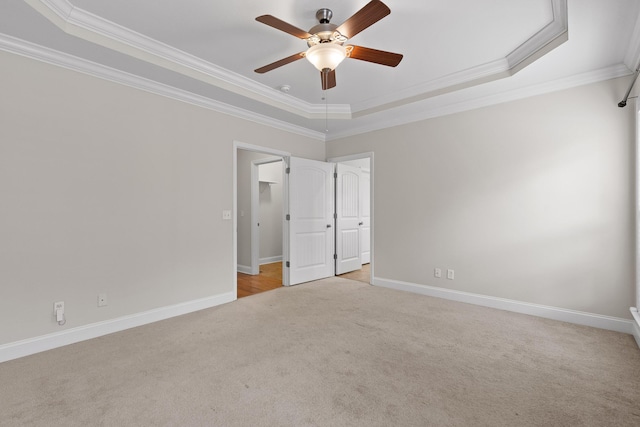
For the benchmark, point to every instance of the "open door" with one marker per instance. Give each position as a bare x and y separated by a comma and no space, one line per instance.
348,219
311,233
365,216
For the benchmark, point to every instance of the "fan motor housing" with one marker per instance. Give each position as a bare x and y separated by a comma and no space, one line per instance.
323,31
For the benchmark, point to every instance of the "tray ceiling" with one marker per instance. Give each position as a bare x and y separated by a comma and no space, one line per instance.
458,54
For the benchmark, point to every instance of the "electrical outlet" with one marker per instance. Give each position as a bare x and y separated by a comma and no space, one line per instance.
450,274
102,300
58,306
437,272
226,214
58,312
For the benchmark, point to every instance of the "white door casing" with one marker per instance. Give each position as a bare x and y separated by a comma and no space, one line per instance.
348,218
311,235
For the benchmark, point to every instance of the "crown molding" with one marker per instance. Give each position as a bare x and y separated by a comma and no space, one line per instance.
53,57
544,41
548,38
83,24
608,73
74,63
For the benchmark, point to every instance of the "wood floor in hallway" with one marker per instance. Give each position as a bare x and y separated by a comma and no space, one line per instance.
270,277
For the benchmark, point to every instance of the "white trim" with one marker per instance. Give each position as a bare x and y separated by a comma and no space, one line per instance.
74,63
367,155
29,346
542,42
70,62
246,269
88,26
270,260
81,23
565,315
388,120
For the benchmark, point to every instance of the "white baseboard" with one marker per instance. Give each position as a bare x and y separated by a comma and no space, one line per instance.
636,324
29,346
244,269
565,315
270,260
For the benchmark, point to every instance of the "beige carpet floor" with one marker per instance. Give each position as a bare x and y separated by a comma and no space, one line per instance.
333,353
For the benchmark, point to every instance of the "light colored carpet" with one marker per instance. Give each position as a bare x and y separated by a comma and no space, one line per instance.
333,353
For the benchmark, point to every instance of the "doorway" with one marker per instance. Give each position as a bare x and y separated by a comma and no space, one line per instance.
259,205
358,166
290,255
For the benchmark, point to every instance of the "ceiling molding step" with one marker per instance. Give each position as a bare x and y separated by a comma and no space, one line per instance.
87,26
331,111
83,24
36,52
608,73
449,83
632,57
544,41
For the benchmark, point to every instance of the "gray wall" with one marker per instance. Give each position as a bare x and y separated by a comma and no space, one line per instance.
110,189
530,200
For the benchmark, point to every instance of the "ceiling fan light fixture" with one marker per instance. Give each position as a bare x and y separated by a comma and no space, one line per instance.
326,55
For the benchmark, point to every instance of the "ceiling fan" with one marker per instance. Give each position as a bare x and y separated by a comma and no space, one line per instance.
326,41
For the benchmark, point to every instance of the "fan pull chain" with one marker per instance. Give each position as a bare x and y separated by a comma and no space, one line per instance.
326,113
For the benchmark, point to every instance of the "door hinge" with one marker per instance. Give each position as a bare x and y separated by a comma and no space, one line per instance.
335,256
335,174
335,215
287,264
288,217
287,170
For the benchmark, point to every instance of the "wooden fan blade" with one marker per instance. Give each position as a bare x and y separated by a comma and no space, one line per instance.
371,13
280,63
376,56
328,78
279,24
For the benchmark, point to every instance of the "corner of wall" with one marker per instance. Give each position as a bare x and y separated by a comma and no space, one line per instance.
636,325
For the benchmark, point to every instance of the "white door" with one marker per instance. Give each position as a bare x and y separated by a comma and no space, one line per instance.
365,216
348,222
311,233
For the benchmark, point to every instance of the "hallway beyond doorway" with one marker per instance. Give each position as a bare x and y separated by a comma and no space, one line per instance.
270,277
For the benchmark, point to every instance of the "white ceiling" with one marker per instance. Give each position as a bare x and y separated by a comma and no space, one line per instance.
458,54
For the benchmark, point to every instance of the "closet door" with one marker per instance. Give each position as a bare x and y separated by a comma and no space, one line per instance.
348,219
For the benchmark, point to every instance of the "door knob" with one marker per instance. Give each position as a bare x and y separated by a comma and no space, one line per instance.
328,225
360,223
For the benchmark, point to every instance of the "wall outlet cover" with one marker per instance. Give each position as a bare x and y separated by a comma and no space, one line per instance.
102,300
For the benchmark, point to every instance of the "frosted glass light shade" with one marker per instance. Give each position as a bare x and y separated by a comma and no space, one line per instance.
326,55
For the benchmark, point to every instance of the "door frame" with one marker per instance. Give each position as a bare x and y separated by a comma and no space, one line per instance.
238,145
366,155
255,208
